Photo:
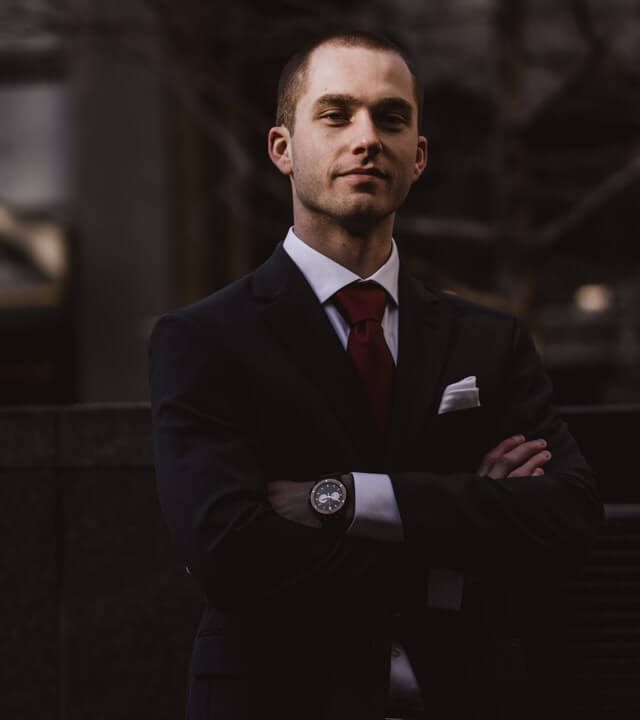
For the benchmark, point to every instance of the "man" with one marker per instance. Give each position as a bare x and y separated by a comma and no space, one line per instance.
364,476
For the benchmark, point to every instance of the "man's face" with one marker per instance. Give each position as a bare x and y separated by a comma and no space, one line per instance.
355,149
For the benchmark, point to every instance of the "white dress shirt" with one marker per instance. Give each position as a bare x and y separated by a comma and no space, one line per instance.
376,513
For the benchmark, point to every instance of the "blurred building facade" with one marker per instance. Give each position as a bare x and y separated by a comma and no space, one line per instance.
134,176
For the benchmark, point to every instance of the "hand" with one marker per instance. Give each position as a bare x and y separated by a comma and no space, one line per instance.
515,457
291,501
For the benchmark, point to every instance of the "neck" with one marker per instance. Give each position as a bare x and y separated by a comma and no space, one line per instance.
362,252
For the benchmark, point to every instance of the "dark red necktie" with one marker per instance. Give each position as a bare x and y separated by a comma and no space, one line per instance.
362,305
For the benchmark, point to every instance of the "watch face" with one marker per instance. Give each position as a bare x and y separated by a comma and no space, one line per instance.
328,496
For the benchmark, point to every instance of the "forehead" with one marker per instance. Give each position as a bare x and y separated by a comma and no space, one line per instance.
359,71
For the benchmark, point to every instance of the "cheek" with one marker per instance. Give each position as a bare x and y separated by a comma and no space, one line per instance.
302,160
310,166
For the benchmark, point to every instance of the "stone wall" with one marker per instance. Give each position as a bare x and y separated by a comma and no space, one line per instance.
99,614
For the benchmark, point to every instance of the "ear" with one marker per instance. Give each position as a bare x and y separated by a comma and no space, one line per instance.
279,148
421,157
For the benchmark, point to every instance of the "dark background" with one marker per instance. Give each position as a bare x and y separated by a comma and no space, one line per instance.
134,175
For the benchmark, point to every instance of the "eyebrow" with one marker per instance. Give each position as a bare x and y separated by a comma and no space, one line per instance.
346,100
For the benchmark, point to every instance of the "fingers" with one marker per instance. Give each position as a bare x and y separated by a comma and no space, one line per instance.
490,459
521,454
519,461
533,466
527,456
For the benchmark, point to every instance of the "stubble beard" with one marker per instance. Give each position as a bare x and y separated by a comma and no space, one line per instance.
356,215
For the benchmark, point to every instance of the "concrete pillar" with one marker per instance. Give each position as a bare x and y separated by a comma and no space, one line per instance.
121,199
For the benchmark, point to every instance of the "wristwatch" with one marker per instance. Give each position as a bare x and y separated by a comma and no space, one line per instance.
328,497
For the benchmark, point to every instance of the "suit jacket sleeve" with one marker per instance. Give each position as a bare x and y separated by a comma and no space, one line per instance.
212,489
462,520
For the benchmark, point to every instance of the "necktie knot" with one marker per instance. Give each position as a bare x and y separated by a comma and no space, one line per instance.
361,301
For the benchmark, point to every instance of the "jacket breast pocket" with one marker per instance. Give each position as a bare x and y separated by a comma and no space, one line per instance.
458,440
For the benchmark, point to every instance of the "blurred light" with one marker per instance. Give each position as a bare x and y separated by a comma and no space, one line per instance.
48,250
593,298
6,219
34,144
42,240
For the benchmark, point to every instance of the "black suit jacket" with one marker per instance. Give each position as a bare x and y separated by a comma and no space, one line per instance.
251,384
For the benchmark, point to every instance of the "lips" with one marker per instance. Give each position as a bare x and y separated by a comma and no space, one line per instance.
371,172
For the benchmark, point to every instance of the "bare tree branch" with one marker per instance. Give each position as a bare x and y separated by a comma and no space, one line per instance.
606,191
64,22
146,38
581,70
587,27
549,234
574,77
471,230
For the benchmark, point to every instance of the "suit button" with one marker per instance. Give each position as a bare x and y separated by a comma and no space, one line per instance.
395,651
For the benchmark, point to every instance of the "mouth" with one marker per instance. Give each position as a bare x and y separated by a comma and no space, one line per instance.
365,171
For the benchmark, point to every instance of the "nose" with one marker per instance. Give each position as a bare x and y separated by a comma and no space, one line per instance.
366,139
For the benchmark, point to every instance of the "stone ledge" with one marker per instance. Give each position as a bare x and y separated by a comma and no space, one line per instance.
92,435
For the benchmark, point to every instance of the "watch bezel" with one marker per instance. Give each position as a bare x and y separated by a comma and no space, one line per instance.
343,489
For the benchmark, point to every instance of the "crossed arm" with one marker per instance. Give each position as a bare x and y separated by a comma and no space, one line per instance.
243,537
513,457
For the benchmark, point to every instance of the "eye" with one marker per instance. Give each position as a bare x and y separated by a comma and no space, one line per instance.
393,120
335,117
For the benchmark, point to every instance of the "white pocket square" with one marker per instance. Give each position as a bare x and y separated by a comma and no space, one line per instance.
460,395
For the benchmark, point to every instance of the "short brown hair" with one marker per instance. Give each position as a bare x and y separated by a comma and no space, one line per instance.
294,73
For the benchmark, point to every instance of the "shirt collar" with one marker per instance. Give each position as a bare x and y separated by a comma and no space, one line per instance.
326,276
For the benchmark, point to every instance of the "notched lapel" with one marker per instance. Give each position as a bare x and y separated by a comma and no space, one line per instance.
425,333
298,320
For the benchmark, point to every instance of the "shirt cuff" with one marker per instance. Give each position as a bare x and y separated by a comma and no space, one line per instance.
375,515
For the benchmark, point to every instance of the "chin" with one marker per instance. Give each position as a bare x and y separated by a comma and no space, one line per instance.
364,207
362,219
